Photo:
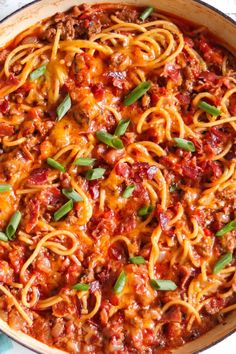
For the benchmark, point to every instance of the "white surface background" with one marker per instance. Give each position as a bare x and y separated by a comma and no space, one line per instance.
228,6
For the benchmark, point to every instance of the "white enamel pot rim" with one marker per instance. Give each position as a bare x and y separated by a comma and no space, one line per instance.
196,11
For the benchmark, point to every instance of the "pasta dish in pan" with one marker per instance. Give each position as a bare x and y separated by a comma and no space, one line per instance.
117,181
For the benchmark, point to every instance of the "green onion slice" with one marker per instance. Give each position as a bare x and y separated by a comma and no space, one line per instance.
147,12
122,127
5,188
144,211
214,111
81,287
70,193
128,191
137,93
120,283
227,228
137,260
163,285
53,163
13,224
3,237
65,209
222,262
84,161
184,144
38,72
64,107
109,139
173,188
96,173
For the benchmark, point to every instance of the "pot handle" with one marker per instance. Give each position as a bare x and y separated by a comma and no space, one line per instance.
5,343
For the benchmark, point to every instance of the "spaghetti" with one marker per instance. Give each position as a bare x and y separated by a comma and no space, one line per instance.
117,181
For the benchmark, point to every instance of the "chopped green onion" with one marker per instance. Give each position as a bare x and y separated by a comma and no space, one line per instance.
144,211
96,173
222,262
214,111
81,287
128,191
137,93
109,139
65,209
5,188
184,144
3,237
63,107
163,285
70,193
122,127
173,188
38,72
13,224
84,161
137,260
147,12
53,163
227,228
120,283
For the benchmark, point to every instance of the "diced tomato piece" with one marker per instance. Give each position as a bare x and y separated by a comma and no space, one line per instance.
6,130
6,272
143,170
123,169
117,251
32,214
188,119
209,76
190,171
104,223
174,314
208,232
25,88
172,71
94,189
184,98
4,106
33,113
156,93
114,300
38,176
12,80
51,196
17,258
127,223
98,91
210,54
73,273
211,170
